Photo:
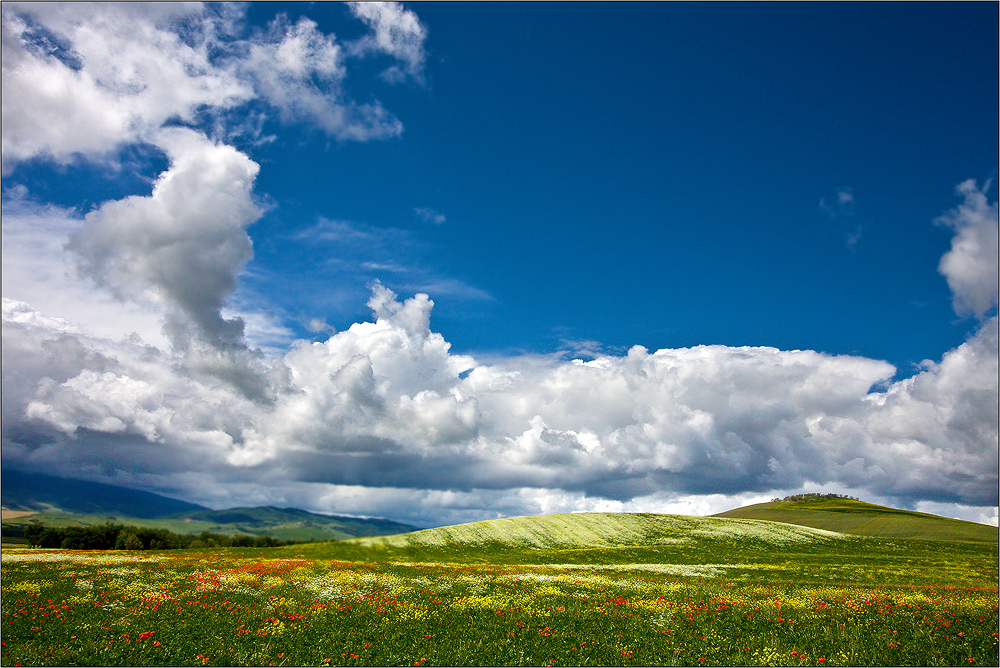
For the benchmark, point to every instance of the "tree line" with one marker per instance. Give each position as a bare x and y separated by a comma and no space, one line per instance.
121,537
816,497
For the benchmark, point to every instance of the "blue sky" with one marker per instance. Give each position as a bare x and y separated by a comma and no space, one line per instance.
654,174
727,184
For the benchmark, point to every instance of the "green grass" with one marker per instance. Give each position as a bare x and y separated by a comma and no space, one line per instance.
866,519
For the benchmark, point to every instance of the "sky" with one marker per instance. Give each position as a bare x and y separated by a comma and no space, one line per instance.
446,262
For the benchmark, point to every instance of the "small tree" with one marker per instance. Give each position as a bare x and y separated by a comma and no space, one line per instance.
33,532
242,541
50,537
128,541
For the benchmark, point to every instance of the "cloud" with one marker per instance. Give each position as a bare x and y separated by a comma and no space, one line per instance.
38,271
183,245
362,253
179,250
396,31
300,71
317,325
263,329
84,79
971,265
429,215
842,203
80,405
940,422
125,71
383,415
451,287
384,412
841,208
386,405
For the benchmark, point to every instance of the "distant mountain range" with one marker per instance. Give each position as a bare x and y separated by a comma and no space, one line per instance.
64,502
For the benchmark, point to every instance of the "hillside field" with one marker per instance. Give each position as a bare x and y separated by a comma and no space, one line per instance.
581,589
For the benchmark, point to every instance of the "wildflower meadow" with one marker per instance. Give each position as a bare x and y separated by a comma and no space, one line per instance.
304,606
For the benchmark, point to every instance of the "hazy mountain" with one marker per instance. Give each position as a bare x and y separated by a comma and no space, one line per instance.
57,500
34,491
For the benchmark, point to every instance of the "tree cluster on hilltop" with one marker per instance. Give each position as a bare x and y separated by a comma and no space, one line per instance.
816,497
122,537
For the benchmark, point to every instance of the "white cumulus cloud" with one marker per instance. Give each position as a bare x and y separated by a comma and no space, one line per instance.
385,405
118,76
396,31
971,264
87,78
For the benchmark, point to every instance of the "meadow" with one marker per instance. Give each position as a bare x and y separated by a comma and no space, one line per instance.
636,590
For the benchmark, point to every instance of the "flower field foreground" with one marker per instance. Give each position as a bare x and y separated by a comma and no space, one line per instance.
233,607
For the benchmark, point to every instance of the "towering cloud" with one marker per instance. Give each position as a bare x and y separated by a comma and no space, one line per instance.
184,244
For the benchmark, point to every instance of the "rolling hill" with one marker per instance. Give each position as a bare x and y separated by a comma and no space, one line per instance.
859,518
681,546
598,530
293,523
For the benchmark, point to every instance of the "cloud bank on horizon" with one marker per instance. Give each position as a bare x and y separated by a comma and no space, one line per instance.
383,418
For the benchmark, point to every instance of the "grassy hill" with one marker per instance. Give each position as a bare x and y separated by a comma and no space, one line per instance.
859,518
296,524
587,538
598,530
742,549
